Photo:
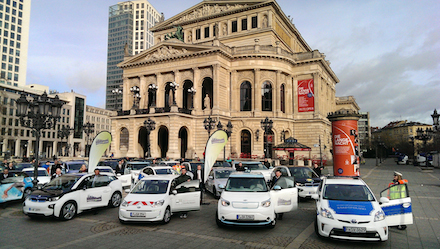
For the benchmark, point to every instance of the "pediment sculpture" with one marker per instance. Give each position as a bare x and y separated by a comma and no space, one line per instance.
164,52
208,10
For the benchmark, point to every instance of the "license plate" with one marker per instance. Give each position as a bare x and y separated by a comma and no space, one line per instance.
355,229
138,214
311,193
34,209
245,217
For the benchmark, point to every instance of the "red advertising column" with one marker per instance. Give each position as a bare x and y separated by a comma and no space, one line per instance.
345,142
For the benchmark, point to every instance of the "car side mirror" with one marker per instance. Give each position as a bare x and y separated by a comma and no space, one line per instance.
384,200
221,186
118,174
174,192
277,188
210,177
315,196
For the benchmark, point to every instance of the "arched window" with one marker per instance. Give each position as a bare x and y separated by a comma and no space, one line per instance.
266,96
245,144
245,96
124,139
282,99
207,89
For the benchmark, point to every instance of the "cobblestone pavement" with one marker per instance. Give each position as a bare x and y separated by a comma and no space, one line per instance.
199,230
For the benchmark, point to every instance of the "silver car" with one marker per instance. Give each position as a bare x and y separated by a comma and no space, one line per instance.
217,176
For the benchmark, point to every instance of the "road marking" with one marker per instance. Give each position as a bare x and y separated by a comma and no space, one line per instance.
371,171
425,197
426,218
431,175
299,240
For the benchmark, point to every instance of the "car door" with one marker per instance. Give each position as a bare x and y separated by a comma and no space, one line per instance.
11,188
398,211
187,197
95,193
286,198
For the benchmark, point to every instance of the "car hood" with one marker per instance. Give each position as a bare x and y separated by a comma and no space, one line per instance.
362,208
245,196
46,193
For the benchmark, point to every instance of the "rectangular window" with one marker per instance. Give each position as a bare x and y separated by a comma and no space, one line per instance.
13,19
12,27
244,24
13,35
6,25
9,76
27,133
206,32
17,52
15,77
5,33
14,12
11,59
8,9
19,21
4,57
17,60
19,29
18,44
7,17
11,51
234,26
197,34
4,66
10,122
20,14
21,133
10,67
14,4
18,37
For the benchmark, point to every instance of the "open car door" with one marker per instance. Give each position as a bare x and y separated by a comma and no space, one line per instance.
286,198
396,204
187,197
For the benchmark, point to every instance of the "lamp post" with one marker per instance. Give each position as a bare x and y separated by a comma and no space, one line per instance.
149,125
435,117
65,133
266,125
424,135
39,114
88,128
192,91
153,88
136,96
174,86
209,124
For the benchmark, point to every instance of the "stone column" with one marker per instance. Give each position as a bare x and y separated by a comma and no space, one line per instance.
216,87
17,147
235,92
257,90
126,94
289,96
179,90
55,147
317,93
277,94
345,142
198,98
160,93
143,88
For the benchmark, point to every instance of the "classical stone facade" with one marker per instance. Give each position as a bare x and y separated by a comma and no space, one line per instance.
238,61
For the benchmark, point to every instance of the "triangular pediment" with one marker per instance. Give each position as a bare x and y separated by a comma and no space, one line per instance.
205,10
166,50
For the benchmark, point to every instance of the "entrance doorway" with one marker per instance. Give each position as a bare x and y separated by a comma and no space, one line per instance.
163,141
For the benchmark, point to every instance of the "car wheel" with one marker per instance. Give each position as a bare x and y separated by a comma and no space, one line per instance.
26,193
214,192
68,211
122,221
115,201
217,221
166,216
401,227
274,222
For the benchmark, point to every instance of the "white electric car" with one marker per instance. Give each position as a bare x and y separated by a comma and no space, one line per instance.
156,198
247,200
70,194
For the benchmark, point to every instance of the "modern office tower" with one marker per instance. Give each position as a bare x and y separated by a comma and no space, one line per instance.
128,32
14,39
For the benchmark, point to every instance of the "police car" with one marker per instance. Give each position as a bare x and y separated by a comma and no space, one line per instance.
157,197
246,200
347,209
71,194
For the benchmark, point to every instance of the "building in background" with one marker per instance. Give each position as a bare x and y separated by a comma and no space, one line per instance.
14,37
347,102
100,118
128,32
364,131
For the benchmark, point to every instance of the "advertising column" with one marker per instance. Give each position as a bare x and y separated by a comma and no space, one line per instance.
345,142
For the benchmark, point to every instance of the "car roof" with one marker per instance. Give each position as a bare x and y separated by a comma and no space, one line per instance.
222,168
159,177
138,162
247,162
344,180
32,169
251,174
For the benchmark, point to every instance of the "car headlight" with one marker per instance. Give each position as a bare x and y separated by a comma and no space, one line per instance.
299,184
265,203
225,202
380,215
326,213
158,203
53,198
124,203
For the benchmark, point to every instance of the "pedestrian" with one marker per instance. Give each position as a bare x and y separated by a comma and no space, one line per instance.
83,169
5,174
239,167
120,167
5,163
46,165
56,174
275,178
266,163
317,169
11,166
56,165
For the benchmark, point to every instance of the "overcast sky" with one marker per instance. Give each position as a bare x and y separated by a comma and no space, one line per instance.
385,53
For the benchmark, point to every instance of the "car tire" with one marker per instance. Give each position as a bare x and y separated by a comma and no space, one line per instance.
26,193
68,211
217,221
166,216
401,227
214,193
115,200
273,223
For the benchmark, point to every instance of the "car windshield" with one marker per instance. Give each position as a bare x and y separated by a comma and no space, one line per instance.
255,166
164,171
63,183
302,172
222,174
151,187
137,166
345,192
246,184
112,164
74,166
40,173
21,166
107,170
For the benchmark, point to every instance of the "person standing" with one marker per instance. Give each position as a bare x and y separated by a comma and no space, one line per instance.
266,163
317,169
5,174
10,166
120,167
200,176
56,174
276,177
239,167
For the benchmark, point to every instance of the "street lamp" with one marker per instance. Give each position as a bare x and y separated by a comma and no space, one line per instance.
192,91
266,125
136,96
88,128
65,133
435,117
149,125
153,88
117,92
174,86
209,124
39,114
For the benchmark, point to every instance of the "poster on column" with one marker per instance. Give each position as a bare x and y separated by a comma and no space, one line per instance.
306,96
345,148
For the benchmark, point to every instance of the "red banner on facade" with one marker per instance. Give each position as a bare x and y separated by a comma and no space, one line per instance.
306,96
345,148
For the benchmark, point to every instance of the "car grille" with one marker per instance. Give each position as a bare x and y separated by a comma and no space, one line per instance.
38,199
245,205
360,222
340,232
